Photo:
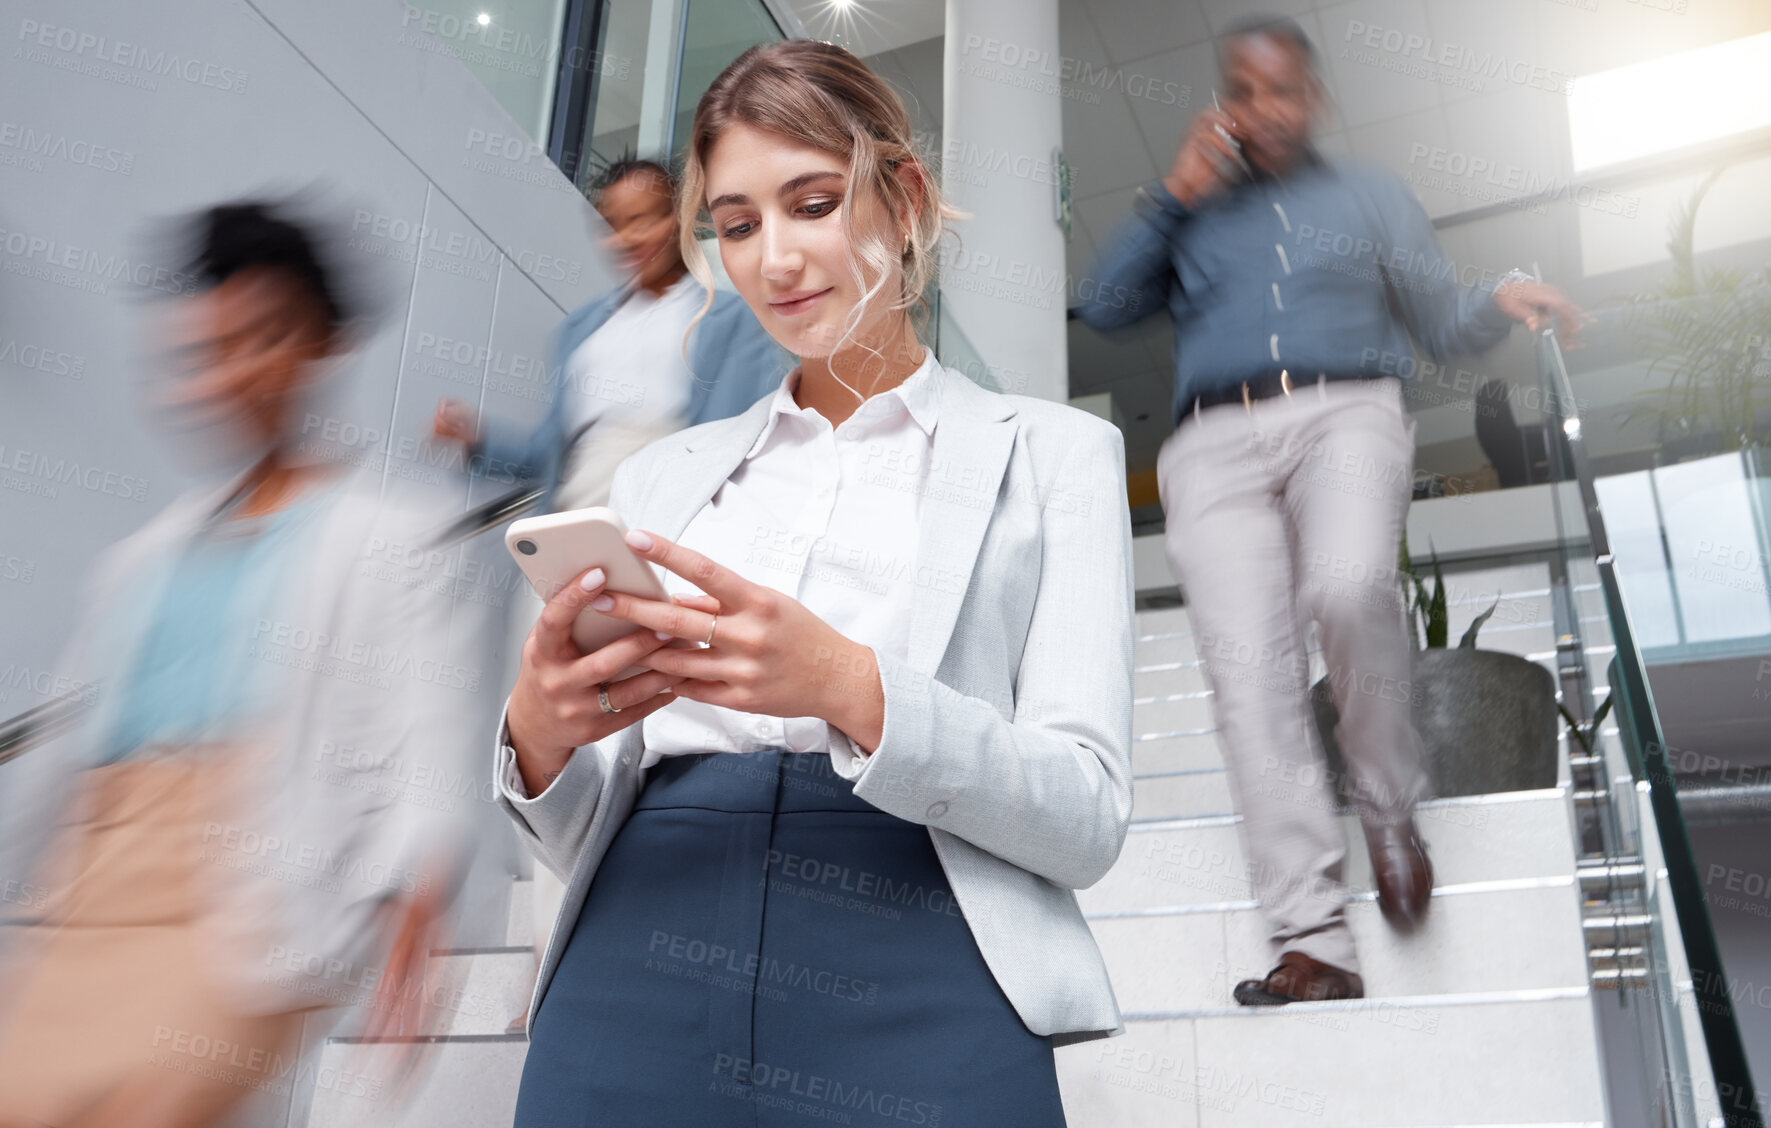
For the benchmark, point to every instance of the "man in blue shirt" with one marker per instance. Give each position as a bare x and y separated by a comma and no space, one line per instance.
1295,287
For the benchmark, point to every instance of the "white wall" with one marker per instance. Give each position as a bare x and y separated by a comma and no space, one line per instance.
117,113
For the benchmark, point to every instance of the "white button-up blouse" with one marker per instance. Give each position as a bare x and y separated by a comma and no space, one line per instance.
827,516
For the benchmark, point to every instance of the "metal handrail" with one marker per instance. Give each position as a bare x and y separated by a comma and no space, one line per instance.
488,516
1715,1006
40,724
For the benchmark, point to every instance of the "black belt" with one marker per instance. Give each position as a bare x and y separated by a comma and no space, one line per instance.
1268,385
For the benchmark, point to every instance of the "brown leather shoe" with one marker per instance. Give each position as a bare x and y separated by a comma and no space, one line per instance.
1403,872
1299,978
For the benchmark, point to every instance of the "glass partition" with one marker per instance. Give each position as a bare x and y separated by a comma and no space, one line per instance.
1629,545
514,48
714,33
599,119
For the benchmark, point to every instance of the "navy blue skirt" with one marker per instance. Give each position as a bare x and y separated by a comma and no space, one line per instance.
761,948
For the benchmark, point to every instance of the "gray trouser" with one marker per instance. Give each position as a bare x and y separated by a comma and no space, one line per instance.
1281,513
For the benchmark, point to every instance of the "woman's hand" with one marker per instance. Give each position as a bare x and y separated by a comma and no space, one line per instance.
454,420
554,707
769,654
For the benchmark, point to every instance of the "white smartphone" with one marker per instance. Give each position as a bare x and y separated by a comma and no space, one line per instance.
555,549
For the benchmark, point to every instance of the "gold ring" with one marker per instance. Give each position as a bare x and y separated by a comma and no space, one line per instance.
714,626
602,698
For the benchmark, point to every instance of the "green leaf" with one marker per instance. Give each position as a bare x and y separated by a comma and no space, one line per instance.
1574,729
1468,642
1604,708
1438,628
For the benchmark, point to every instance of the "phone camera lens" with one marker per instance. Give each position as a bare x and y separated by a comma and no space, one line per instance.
526,547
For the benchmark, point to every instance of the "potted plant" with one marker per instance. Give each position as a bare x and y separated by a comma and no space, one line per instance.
1487,720
1709,330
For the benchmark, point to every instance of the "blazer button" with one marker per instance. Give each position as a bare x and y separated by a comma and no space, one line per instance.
936,810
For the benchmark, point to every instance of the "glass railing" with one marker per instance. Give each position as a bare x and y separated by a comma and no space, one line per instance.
1637,583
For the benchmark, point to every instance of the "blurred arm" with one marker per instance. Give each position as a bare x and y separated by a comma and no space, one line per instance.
1444,317
1132,276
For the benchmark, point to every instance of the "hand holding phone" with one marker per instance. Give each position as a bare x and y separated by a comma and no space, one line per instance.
1208,161
555,549
578,658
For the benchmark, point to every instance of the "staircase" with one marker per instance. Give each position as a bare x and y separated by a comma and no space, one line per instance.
470,1067
1482,1017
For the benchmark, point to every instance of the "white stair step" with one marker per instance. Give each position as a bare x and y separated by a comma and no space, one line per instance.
477,990
1181,796
1162,620
1167,677
467,1082
1199,861
1194,752
1179,712
1423,1060
1503,937
1169,646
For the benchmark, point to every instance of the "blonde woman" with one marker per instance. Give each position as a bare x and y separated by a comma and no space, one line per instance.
820,864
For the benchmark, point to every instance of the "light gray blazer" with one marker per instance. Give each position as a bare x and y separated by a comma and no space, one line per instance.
1007,732
367,789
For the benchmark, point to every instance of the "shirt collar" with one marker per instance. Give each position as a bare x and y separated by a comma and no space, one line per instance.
1308,159
919,392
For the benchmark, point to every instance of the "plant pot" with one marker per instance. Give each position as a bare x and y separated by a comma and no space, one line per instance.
1487,722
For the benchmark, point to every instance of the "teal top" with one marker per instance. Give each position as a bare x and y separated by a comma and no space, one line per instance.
195,678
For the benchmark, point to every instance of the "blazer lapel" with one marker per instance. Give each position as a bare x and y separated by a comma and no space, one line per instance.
974,437
696,474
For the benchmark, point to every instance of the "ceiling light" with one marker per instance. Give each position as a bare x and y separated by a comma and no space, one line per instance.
1671,102
485,19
